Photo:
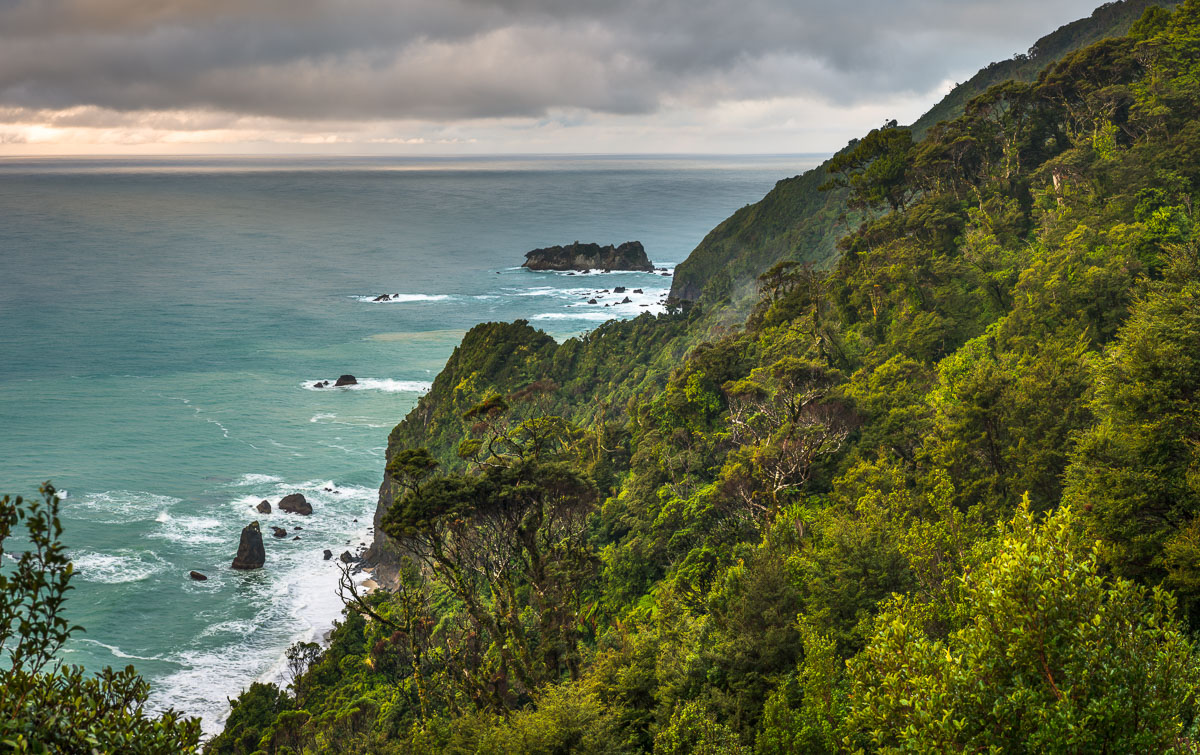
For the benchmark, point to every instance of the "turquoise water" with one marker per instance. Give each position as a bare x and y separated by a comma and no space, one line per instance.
163,322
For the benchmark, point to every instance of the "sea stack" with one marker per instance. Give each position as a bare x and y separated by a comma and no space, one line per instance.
295,504
583,257
264,507
251,554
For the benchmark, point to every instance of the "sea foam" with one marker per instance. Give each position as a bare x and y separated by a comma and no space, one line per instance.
401,298
387,385
117,506
295,595
117,568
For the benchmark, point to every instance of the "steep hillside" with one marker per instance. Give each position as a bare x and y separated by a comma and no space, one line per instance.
941,496
1109,20
799,222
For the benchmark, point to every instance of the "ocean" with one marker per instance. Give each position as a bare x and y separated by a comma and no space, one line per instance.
163,321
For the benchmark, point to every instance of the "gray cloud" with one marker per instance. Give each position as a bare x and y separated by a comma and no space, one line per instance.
448,60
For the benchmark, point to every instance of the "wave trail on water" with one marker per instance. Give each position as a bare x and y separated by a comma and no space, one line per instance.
120,567
387,385
293,599
117,506
401,298
118,652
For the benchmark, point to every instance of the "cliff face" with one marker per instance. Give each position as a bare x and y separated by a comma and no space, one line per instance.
628,256
619,359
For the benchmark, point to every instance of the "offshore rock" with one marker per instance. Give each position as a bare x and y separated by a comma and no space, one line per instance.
347,557
278,532
295,504
264,507
346,380
328,554
197,576
251,553
583,257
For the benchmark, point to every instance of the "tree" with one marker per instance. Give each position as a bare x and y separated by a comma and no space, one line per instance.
784,420
46,706
1043,654
875,168
1137,471
509,540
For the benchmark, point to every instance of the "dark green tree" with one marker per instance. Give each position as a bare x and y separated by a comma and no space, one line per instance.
46,706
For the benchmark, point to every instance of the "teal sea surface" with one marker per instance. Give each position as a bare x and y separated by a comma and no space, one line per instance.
162,322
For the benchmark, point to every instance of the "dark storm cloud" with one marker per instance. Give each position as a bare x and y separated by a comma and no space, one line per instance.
456,59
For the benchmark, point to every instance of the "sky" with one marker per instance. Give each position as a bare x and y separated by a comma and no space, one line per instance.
425,77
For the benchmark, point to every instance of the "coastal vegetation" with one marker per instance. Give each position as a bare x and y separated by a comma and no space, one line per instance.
47,706
911,464
939,493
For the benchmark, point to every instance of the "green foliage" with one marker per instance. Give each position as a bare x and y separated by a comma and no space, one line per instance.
875,168
1137,474
46,707
693,731
1042,653
677,535
249,719
805,712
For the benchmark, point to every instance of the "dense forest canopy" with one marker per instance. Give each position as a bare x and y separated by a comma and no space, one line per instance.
940,493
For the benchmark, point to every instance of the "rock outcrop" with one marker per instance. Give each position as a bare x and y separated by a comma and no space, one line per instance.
328,554
197,576
295,504
279,532
582,257
251,554
264,507
345,380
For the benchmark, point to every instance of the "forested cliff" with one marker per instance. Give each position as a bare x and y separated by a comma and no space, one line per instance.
937,492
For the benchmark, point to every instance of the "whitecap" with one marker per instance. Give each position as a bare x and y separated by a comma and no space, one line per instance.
117,506
658,270
118,653
189,530
387,385
402,298
255,479
298,602
581,315
235,627
116,568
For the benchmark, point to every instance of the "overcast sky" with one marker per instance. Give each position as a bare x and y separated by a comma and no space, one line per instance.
488,76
